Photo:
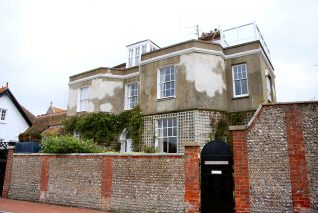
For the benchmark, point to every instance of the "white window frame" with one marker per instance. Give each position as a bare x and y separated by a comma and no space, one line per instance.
161,83
3,114
143,48
81,101
234,80
269,89
130,57
169,133
128,96
137,55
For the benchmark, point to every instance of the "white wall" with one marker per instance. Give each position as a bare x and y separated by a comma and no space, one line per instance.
14,123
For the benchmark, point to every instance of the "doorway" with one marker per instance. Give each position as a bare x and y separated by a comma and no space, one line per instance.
217,178
3,162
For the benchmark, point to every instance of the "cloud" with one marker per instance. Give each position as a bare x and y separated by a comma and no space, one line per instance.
296,82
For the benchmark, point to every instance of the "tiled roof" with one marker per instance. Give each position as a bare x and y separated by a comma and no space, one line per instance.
45,121
28,116
53,130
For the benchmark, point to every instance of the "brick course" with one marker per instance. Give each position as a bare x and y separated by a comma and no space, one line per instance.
297,161
192,179
282,152
123,183
310,127
241,180
7,177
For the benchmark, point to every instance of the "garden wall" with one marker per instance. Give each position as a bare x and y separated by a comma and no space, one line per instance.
276,159
123,183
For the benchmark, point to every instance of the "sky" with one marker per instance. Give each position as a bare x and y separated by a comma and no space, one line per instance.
43,42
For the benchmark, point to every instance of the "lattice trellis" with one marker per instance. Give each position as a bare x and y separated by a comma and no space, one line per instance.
193,126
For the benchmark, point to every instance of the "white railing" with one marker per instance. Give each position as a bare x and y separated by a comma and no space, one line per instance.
243,34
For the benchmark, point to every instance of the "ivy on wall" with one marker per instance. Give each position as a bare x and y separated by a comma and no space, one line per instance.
220,124
104,128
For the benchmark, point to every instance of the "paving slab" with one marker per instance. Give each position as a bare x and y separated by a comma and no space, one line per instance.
18,206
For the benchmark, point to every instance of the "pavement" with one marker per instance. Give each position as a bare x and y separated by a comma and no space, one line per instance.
18,206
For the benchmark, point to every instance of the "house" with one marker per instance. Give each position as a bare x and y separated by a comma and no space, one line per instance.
14,118
181,88
50,123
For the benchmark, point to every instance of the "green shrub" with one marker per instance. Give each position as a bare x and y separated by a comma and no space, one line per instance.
150,149
68,144
103,127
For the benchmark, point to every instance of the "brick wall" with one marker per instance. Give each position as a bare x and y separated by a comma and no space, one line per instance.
241,180
159,186
7,177
75,181
123,183
25,178
282,159
310,127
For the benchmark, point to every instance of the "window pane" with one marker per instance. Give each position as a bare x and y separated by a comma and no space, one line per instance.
172,92
160,123
244,86
243,67
235,74
170,132
84,93
167,78
160,132
237,88
165,122
167,71
239,68
162,78
167,85
174,132
172,76
239,74
165,146
174,121
167,93
170,122
173,145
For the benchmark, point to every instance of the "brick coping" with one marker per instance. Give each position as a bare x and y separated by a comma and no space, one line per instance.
261,106
103,154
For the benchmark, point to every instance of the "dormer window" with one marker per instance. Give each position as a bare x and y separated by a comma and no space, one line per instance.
143,49
137,49
130,57
137,56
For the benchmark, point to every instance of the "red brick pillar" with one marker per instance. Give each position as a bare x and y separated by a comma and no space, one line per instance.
7,177
192,178
241,178
107,178
44,178
297,160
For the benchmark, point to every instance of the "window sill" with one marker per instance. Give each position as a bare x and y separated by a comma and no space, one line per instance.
166,98
240,97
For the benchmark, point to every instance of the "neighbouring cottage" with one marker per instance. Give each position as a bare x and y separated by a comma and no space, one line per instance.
180,88
14,118
50,123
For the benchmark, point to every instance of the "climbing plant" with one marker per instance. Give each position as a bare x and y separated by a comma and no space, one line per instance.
104,127
220,123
